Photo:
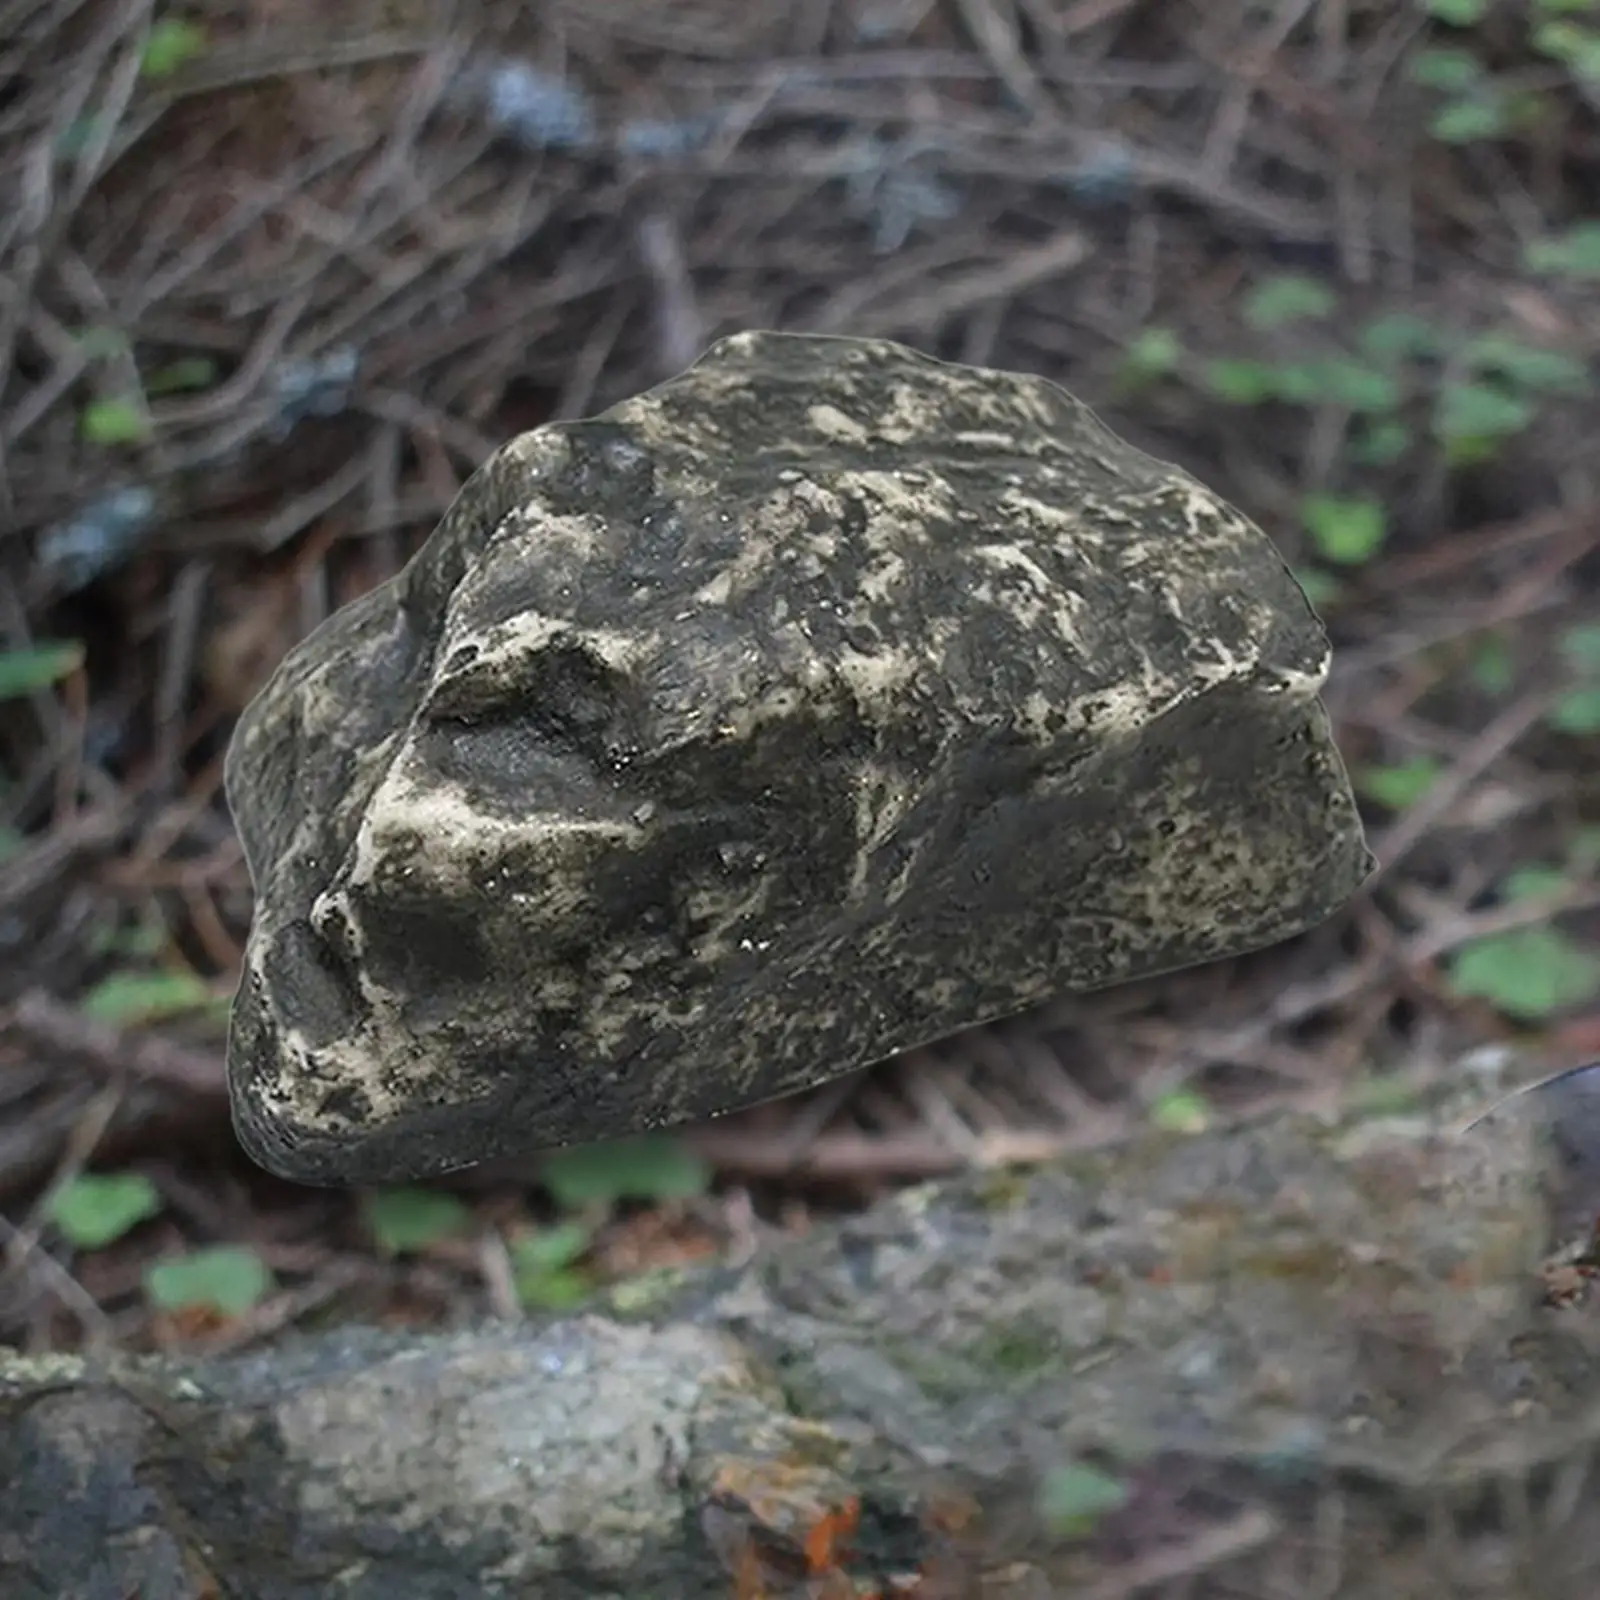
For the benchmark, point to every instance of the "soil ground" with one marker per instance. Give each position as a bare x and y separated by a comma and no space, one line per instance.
274,278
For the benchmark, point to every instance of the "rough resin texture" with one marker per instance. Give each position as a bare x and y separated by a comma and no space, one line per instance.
820,702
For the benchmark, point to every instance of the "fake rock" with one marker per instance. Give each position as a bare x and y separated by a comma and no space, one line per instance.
818,703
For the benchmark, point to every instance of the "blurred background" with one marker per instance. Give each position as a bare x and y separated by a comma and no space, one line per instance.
275,277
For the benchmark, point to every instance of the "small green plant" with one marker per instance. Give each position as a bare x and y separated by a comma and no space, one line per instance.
545,1270
1489,113
1400,786
1335,381
143,940
407,1221
1320,588
102,342
1471,420
1181,1111
131,999
1348,532
1288,298
1494,670
124,418
229,1280
1498,358
1577,710
33,667
173,42
96,1209
1534,882
115,421
1242,383
1530,974
1475,389
1577,48
1474,106
1380,442
1384,1094
1478,104
650,1167
1583,849
1459,13
1393,338
1152,355
182,376
1075,1498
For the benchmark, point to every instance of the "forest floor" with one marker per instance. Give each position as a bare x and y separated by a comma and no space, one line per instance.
270,292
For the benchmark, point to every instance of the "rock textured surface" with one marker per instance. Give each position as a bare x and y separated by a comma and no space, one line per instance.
1296,1358
816,704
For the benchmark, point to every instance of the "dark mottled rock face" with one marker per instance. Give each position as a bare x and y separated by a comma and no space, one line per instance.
820,702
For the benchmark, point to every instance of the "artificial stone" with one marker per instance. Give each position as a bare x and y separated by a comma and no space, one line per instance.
821,702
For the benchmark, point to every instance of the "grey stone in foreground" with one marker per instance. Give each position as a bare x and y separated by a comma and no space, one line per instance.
819,703
1306,1358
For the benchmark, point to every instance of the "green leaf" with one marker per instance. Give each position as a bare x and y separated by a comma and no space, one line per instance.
1447,67
126,999
1479,411
1459,13
1300,383
1580,646
1533,883
1380,443
229,1279
1075,1499
1467,120
1361,388
101,343
1529,974
1384,1094
1400,336
1242,383
1568,8
179,377
404,1221
549,1248
1527,365
1573,254
37,666
1576,48
172,42
1399,786
1286,299
1470,452
1319,587
78,135
143,941
1583,849
1181,1111
1494,669
553,1291
650,1167
96,1208
1577,711
1152,353
1346,532
111,422
543,1267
